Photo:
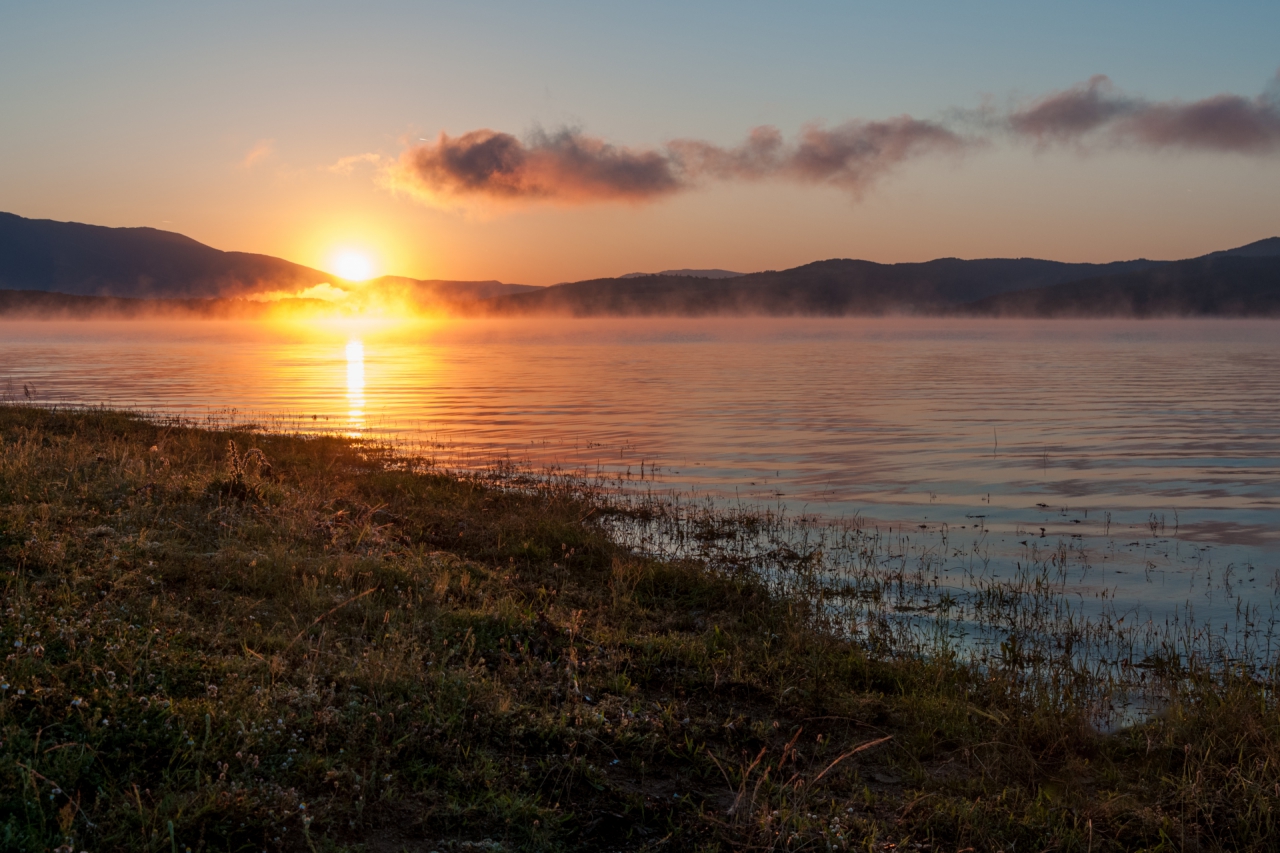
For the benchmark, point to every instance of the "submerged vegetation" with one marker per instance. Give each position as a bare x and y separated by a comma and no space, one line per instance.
223,639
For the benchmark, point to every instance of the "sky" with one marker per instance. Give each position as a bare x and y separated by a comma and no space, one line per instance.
539,143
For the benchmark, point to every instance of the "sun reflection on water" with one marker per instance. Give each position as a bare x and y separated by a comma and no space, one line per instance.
355,386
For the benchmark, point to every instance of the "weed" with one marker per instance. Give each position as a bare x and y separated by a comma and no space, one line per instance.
351,650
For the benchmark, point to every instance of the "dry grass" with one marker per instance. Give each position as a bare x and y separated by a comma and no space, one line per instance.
308,644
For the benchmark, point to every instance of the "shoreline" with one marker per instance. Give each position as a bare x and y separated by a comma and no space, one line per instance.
310,647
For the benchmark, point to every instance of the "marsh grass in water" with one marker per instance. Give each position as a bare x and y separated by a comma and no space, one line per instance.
336,647
931,591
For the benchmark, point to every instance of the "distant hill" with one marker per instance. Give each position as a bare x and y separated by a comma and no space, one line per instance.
824,288
1268,248
91,260
1224,284
688,274
52,268
146,263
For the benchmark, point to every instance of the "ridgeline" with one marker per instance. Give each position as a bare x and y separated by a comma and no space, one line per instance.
167,273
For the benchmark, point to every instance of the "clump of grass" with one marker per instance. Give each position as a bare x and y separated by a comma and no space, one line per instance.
342,649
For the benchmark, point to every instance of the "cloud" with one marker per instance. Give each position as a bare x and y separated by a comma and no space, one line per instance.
261,150
565,166
851,156
570,167
1220,123
345,165
1067,115
1097,112
857,153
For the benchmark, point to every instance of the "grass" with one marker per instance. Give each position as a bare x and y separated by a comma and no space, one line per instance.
231,640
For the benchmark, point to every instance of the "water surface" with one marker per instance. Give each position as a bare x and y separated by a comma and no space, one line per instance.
1153,445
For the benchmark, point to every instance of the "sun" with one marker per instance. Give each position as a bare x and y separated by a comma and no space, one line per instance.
352,265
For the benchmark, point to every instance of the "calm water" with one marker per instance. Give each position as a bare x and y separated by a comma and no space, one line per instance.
1156,444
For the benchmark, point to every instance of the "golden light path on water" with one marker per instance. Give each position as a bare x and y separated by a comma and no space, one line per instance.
355,387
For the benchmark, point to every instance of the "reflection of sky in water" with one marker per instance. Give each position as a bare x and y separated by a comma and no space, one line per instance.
1109,425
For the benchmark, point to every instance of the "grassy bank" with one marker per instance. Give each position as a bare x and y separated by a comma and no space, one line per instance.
238,641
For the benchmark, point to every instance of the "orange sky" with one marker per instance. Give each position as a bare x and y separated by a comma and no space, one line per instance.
226,123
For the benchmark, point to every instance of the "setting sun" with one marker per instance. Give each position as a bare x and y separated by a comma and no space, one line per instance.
353,266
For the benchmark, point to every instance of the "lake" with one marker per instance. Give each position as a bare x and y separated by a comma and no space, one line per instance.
1151,448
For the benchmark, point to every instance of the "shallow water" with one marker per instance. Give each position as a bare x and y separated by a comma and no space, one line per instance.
1154,446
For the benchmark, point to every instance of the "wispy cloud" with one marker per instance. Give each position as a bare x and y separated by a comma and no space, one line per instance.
851,156
261,150
569,167
346,165
1096,113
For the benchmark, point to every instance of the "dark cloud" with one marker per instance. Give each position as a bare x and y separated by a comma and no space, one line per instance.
570,167
1096,112
1220,123
1067,115
855,154
565,166
851,156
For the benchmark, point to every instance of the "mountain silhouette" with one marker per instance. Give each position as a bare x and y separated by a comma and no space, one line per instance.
823,288
1223,284
52,268
146,263
686,273
92,260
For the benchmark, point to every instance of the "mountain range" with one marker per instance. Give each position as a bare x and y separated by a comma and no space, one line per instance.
49,267
1239,283
147,264
687,273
